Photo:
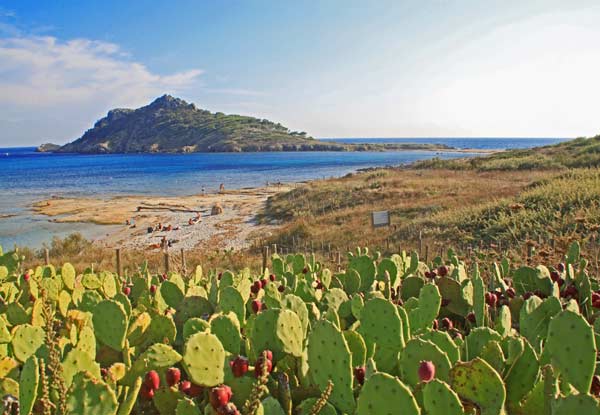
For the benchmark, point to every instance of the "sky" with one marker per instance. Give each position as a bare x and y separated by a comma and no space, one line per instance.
332,68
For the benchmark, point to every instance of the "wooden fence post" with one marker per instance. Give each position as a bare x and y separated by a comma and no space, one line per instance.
119,269
47,256
265,255
167,265
183,264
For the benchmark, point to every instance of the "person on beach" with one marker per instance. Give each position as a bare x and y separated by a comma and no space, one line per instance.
221,188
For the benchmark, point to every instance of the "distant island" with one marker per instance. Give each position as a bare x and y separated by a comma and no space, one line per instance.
47,148
171,125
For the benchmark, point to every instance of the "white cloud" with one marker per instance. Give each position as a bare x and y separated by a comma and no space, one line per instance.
62,87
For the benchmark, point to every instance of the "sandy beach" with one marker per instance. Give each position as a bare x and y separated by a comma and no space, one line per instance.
231,229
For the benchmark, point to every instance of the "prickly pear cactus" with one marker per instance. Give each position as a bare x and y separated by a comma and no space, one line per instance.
417,350
28,385
26,340
576,404
439,399
89,396
110,324
422,317
571,348
383,394
478,382
204,359
279,331
330,359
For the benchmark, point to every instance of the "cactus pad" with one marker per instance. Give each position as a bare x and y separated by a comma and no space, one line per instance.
478,382
439,399
417,350
204,359
89,396
28,385
110,323
26,340
383,394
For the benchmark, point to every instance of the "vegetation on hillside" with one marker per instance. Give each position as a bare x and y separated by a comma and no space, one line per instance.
172,125
578,153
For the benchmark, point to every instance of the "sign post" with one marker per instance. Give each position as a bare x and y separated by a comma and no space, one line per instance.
380,218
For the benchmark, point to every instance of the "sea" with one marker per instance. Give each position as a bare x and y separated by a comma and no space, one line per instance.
27,176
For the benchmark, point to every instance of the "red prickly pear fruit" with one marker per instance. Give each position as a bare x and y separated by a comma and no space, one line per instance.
263,283
595,388
281,288
103,372
152,379
560,267
269,354
220,396
426,371
272,277
554,276
435,324
147,392
254,289
220,276
256,306
195,390
229,409
510,292
262,365
595,296
185,386
153,289
445,302
26,277
596,304
471,317
126,291
319,285
399,301
456,335
442,271
305,270
359,374
560,282
491,299
527,295
173,376
447,324
239,366
32,298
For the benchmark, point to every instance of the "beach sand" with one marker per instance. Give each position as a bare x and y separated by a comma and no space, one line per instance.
232,229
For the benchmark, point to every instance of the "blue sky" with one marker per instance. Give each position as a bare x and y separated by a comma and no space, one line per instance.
331,68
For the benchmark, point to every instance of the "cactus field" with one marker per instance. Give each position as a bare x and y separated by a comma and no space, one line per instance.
386,335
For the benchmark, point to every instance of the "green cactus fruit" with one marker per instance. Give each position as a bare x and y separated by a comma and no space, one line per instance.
88,396
458,295
478,382
295,303
571,348
522,371
279,331
443,340
329,359
137,329
477,339
231,300
227,328
439,399
128,401
422,317
28,385
204,359
414,353
383,394
535,317
110,324
351,281
411,287
576,404
194,325
157,357
531,279
503,322
365,267
357,346
68,274
79,361
26,340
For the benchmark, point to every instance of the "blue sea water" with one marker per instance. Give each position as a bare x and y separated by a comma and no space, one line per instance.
27,176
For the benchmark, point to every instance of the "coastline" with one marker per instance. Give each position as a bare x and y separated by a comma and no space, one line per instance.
231,229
